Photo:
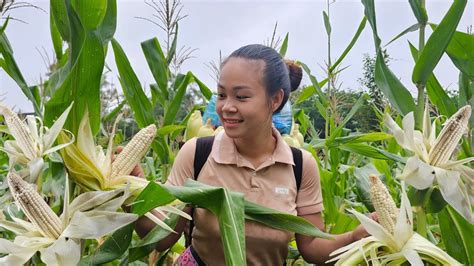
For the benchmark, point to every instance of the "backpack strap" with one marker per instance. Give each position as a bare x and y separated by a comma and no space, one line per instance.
203,149
298,167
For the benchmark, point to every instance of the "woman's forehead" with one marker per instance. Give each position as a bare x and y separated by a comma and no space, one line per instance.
242,70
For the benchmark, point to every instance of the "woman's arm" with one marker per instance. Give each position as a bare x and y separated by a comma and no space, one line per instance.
317,250
144,225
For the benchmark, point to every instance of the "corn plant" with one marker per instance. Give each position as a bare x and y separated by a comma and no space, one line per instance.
444,38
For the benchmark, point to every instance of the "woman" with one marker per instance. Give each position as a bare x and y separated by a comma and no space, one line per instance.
251,157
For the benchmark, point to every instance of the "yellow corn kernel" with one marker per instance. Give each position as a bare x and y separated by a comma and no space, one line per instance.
34,206
383,203
449,136
21,133
133,152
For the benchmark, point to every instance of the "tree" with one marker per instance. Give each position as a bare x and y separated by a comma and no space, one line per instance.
377,99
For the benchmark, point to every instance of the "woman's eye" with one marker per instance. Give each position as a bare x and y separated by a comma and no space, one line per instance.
220,95
242,97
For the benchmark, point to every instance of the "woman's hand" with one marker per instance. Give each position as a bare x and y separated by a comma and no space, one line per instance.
137,170
360,231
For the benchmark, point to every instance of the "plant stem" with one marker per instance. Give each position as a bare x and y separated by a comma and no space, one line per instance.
421,214
421,87
421,222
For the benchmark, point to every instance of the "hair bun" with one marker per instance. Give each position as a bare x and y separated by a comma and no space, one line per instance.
296,73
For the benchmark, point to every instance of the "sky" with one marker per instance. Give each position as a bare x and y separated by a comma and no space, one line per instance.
212,26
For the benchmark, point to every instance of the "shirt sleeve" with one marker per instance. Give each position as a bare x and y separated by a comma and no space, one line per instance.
183,166
309,199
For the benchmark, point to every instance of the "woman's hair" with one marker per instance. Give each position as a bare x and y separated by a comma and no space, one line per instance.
278,73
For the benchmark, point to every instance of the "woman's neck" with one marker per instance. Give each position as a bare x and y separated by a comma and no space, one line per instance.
258,148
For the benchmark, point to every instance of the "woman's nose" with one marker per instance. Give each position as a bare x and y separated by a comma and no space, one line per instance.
228,106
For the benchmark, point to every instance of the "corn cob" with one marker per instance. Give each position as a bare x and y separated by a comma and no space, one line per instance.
18,129
449,136
296,134
133,152
206,130
34,206
193,125
383,203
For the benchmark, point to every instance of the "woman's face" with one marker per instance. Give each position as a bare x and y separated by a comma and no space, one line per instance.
242,103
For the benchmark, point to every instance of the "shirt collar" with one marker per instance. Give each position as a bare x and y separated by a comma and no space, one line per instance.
225,152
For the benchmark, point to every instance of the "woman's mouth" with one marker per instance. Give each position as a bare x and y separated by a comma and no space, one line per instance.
232,122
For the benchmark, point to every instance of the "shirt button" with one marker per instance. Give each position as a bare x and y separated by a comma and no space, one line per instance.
254,173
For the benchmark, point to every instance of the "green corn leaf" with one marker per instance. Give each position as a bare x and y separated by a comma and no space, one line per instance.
309,91
12,69
369,11
412,28
336,133
157,63
147,244
391,87
327,24
315,84
385,80
4,26
55,37
466,95
172,50
419,11
282,221
351,44
284,46
170,129
369,151
114,112
113,248
456,233
226,205
358,138
437,43
91,13
79,80
170,113
132,89
206,92
436,93
461,51
109,23
61,20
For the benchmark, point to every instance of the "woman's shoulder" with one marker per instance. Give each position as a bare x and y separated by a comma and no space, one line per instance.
188,148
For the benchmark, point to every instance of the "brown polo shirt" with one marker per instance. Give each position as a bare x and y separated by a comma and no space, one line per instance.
272,184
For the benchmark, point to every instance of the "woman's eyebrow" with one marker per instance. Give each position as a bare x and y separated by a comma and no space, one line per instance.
234,88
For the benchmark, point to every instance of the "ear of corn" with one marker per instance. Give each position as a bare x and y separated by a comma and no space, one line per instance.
383,203
291,141
449,136
206,130
296,134
133,152
193,125
18,129
34,207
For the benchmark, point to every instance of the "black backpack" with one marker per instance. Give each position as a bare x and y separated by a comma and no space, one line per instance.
203,149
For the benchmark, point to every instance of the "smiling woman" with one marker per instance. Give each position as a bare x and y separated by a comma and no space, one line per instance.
251,157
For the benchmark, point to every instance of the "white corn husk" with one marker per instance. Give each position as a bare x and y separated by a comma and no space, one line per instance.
384,248
32,141
91,215
431,165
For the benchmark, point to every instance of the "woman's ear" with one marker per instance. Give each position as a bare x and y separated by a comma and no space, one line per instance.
277,99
